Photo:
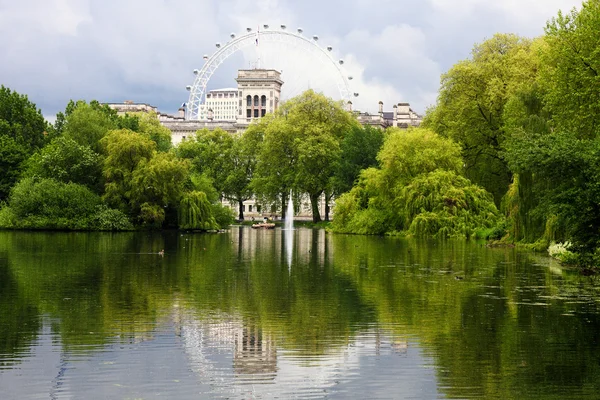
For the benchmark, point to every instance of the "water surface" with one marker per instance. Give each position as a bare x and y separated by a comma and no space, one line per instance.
232,315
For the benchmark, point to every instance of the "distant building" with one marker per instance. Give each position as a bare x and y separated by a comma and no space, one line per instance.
402,117
258,93
220,105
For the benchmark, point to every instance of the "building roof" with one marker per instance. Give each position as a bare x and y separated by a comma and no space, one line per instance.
224,90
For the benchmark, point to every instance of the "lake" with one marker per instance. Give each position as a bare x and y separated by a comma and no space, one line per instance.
261,314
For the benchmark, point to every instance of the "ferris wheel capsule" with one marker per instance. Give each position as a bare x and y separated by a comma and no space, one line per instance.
355,94
341,61
205,57
248,29
300,30
266,26
350,77
232,35
188,88
315,38
283,27
218,45
196,72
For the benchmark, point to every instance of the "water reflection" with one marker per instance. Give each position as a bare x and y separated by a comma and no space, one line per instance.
225,316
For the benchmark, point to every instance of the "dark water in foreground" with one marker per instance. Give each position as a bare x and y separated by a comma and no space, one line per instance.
236,315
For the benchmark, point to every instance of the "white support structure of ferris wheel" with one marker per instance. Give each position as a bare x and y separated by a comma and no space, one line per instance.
212,63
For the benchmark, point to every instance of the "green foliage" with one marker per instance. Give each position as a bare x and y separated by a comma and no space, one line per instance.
108,219
202,183
570,67
21,120
12,156
124,150
417,191
87,124
66,161
149,124
470,106
22,131
224,216
151,215
443,204
52,199
358,151
50,204
301,148
195,212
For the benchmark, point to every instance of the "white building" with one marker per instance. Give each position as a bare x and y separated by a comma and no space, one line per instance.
220,105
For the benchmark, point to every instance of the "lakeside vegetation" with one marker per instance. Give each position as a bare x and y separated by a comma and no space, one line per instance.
510,151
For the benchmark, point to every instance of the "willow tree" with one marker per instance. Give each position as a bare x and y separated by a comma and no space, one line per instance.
471,103
418,189
195,212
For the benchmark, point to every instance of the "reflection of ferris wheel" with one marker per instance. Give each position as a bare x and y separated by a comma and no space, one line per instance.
276,49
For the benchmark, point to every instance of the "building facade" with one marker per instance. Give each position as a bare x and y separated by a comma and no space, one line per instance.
259,93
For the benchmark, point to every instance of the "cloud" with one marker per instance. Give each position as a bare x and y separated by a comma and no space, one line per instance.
145,50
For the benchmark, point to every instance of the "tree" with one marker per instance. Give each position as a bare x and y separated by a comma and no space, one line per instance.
22,131
150,125
417,189
87,125
12,156
471,103
359,150
301,148
124,150
569,70
210,154
242,156
157,184
21,120
66,161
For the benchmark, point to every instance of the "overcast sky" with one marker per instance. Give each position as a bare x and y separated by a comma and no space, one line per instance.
145,50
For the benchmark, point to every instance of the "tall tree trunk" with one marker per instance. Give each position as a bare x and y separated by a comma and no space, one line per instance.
314,202
241,208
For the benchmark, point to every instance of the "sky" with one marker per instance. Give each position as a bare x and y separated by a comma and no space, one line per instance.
146,50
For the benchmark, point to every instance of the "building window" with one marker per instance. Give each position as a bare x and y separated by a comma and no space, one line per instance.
256,113
256,101
258,208
249,100
248,113
263,100
263,112
250,208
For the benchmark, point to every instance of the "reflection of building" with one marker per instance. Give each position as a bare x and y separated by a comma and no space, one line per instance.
254,354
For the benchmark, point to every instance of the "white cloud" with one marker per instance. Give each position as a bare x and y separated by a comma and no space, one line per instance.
145,50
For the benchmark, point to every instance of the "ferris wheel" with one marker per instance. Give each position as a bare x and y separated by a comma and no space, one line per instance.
303,64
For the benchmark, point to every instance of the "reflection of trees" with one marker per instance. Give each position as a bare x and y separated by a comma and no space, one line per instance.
19,323
500,332
480,312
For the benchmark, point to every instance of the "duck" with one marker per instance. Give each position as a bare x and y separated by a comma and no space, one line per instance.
161,253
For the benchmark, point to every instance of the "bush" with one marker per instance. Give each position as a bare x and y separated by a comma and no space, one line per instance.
224,216
108,219
52,199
